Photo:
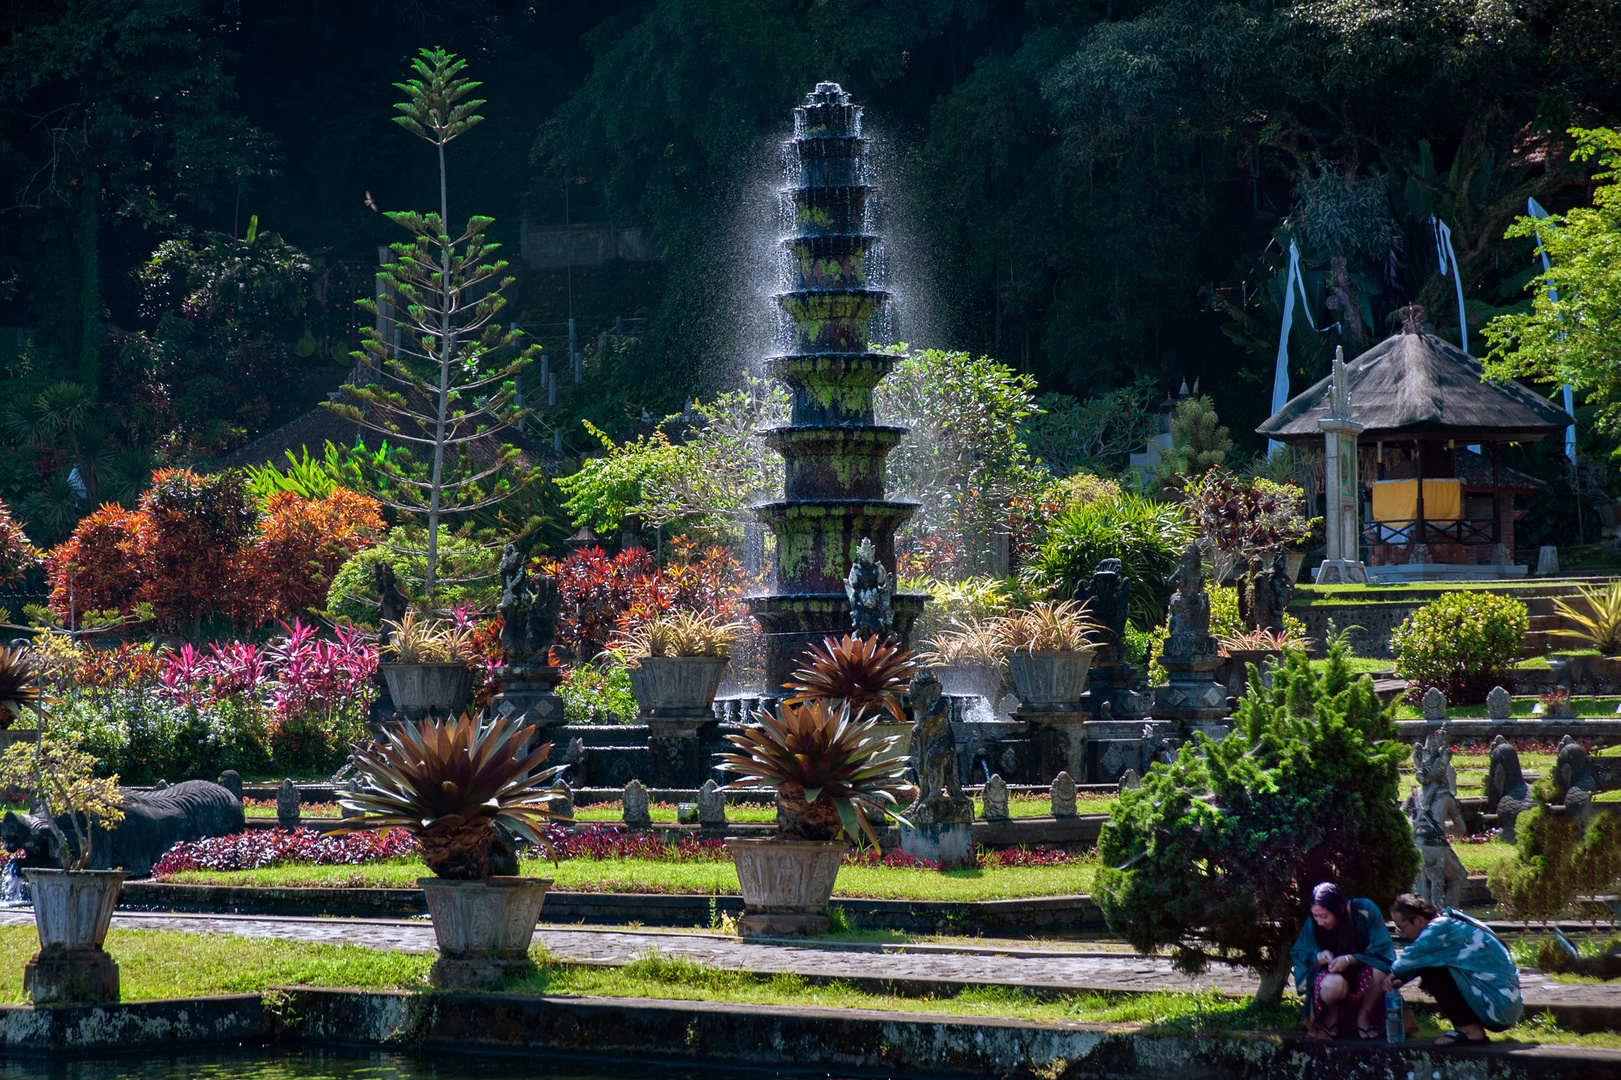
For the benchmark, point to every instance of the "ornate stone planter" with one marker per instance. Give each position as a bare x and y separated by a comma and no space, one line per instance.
971,680
903,728
483,927
668,684
71,911
786,884
417,688
1049,681
1233,672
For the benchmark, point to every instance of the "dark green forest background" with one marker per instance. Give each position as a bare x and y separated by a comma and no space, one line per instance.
1093,191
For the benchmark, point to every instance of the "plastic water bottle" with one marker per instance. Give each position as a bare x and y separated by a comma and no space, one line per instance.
1395,1024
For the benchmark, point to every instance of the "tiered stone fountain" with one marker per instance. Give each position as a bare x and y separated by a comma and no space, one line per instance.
834,485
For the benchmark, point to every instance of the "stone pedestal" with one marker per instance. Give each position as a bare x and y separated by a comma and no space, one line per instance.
59,976
1060,741
1110,684
941,829
1116,747
530,694
949,843
1191,695
676,740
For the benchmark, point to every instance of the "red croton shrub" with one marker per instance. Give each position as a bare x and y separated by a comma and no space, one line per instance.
596,591
197,524
18,555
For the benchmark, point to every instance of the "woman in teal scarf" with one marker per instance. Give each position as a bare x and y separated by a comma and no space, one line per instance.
1460,964
1340,961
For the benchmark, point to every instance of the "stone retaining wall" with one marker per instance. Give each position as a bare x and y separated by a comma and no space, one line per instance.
1370,625
763,1037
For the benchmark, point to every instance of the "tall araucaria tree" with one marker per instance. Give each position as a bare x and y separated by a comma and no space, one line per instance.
1215,856
447,388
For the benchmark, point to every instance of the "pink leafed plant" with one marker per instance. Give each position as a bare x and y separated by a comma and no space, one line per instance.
258,848
184,676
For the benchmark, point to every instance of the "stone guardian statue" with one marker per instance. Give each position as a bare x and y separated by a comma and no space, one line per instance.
871,594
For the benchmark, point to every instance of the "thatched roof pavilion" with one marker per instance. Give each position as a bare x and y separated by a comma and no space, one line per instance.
1420,401
1412,386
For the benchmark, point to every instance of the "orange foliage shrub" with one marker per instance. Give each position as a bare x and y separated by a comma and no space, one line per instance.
301,544
199,547
18,554
101,567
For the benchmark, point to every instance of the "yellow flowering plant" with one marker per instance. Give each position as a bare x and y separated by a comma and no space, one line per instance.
1461,644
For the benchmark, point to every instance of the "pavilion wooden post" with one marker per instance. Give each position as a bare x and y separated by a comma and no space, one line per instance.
1421,549
1341,492
1497,495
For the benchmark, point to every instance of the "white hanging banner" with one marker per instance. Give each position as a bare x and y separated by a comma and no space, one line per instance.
1280,380
1445,254
1535,209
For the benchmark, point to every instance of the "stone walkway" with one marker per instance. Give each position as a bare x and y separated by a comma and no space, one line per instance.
949,966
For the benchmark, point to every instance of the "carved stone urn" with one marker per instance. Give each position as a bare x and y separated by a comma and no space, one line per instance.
971,680
71,911
1049,681
786,884
671,686
483,927
419,688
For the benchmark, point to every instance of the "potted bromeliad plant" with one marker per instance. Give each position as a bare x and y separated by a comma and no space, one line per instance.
450,783
72,905
830,763
676,662
1049,649
427,670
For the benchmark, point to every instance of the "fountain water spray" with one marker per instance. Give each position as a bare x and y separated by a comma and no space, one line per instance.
834,452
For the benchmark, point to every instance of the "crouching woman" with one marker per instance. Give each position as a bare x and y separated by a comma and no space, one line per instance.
1341,959
1460,964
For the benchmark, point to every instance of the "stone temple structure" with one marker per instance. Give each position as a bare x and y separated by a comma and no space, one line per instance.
834,483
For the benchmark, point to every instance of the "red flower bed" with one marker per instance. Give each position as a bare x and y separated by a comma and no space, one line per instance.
984,859
257,848
616,842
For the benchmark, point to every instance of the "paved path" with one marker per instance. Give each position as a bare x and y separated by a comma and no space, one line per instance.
1067,971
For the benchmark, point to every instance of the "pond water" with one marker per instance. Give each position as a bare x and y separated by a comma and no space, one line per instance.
350,1064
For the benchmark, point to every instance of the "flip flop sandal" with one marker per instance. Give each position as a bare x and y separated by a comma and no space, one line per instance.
1458,1038
1369,1032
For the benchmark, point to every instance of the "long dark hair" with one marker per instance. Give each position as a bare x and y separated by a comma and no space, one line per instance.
1343,939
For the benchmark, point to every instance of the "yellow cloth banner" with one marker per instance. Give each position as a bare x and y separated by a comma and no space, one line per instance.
1397,500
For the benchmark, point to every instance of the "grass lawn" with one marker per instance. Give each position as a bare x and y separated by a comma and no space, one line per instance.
254,808
1358,665
690,876
163,964
1484,858
1602,707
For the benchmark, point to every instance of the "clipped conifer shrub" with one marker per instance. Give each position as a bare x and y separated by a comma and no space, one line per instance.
1214,857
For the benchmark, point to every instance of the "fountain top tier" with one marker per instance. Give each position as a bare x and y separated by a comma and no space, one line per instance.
834,493
829,300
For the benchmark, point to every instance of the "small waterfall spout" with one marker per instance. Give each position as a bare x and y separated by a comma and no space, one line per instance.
13,889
